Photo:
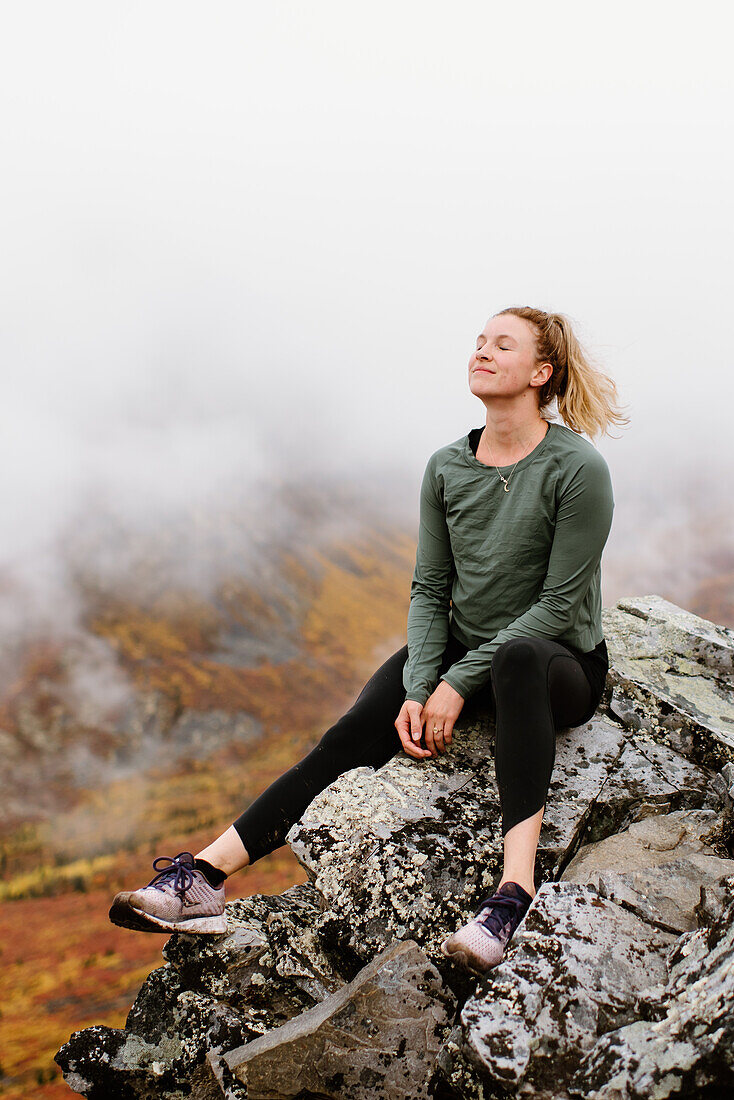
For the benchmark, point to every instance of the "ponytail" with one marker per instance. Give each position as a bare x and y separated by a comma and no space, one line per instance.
587,398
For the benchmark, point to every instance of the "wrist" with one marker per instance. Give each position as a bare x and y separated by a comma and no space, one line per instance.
462,694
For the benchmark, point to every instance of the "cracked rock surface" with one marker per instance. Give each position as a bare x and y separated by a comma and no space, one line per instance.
580,966
377,1036
688,1050
618,984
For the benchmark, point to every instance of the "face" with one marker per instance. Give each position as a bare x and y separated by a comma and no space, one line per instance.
503,364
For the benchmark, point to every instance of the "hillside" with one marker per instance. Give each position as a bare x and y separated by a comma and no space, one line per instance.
219,695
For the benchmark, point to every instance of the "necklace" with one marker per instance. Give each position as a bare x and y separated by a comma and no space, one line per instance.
506,480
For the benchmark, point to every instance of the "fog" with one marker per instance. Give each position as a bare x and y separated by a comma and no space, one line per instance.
247,242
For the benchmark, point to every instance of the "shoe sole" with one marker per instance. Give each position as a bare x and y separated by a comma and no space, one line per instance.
127,916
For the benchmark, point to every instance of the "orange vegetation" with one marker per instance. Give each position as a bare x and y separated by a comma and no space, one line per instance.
63,965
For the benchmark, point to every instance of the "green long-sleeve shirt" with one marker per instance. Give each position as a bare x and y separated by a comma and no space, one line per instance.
493,565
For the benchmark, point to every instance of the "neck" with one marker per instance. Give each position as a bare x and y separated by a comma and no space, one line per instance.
506,433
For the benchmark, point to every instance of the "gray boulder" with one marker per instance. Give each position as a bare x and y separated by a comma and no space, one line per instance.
673,675
687,1050
378,1035
579,966
657,867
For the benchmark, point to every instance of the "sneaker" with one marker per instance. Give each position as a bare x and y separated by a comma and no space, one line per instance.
481,944
178,898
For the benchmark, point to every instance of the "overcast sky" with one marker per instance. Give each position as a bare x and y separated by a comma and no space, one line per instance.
240,239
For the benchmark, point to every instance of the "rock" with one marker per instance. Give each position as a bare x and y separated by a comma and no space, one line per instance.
103,1062
215,994
647,778
377,1036
671,674
646,843
408,851
657,868
688,1050
455,1076
723,784
578,966
669,895
270,965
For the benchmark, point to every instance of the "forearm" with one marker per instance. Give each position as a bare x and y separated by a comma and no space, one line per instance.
430,594
545,619
428,632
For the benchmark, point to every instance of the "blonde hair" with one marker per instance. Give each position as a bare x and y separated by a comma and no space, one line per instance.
587,397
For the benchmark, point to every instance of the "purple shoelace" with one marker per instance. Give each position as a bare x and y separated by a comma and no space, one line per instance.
497,912
179,869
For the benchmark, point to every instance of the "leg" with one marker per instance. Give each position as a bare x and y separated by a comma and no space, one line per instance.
187,893
363,737
520,845
227,853
539,687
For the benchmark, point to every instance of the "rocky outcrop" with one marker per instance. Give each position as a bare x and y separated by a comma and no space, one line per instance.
619,983
379,1035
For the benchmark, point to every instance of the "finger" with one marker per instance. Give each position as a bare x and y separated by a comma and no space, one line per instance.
415,715
402,725
438,737
416,751
429,737
448,732
416,725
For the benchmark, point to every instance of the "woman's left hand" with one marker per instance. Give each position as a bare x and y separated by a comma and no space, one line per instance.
441,710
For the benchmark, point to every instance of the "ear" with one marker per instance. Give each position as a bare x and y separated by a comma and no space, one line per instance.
542,373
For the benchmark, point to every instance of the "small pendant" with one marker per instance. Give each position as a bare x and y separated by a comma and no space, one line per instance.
507,487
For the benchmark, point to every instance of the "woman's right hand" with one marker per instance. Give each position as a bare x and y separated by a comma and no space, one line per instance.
410,729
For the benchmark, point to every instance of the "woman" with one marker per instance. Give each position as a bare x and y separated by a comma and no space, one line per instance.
505,610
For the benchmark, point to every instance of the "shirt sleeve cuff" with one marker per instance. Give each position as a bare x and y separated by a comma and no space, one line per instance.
457,684
417,697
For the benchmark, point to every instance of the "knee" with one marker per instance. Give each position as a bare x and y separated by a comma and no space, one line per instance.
516,654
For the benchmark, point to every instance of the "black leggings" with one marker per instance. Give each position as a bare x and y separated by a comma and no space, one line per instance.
537,687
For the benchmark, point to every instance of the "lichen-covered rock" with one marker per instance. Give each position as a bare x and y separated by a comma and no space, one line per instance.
672,674
656,867
104,1063
455,1077
215,993
578,966
270,964
688,1050
408,850
377,1036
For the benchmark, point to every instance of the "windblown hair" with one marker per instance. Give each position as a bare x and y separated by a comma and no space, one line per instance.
587,397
